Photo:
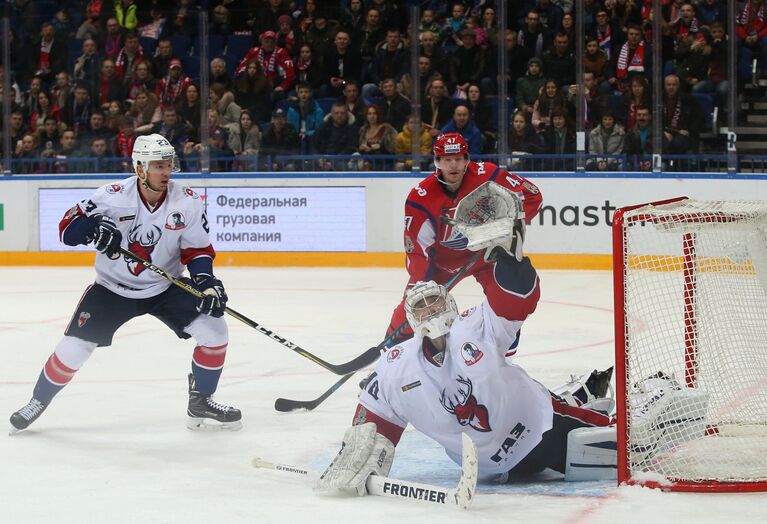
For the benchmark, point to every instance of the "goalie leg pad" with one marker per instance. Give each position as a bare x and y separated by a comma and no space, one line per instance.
364,452
592,454
665,414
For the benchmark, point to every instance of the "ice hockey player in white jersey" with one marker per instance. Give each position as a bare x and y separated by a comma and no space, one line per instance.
457,375
163,222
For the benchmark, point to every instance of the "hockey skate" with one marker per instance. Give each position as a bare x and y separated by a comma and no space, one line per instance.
21,419
664,414
591,390
207,414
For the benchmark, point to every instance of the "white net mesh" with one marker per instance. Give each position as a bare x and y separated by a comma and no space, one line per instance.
695,291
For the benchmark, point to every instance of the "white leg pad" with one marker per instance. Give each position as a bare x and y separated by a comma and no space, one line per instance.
592,454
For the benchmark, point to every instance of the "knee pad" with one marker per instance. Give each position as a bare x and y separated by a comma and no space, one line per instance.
73,351
209,331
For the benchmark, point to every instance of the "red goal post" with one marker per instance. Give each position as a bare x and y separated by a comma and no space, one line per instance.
690,284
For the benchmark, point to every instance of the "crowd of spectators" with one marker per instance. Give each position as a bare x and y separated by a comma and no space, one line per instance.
333,78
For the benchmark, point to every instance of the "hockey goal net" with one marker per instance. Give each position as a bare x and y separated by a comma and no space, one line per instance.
691,344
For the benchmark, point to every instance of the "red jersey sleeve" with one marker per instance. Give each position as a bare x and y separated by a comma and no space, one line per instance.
252,53
421,228
388,429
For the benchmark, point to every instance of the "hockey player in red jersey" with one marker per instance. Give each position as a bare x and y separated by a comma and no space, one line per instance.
435,250
162,222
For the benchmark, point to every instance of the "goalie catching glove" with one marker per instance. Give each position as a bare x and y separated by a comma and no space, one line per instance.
213,300
489,217
364,452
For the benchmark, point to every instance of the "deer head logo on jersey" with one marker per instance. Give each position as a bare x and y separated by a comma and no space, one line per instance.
142,244
465,407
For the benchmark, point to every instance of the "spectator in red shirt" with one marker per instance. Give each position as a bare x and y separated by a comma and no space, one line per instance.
170,87
275,62
752,34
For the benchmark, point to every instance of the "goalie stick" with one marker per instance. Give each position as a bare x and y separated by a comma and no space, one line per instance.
460,496
369,356
339,369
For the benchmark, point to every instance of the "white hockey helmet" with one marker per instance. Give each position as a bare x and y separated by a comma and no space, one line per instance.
153,147
430,309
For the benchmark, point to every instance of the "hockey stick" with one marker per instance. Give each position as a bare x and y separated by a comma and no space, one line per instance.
368,357
339,369
460,496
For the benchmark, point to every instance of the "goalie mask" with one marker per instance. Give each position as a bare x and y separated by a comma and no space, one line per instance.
153,147
430,309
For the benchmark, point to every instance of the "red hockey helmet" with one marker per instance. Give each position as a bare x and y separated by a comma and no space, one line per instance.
451,144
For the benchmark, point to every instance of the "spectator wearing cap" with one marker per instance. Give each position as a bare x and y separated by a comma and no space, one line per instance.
319,35
286,38
342,63
529,86
221,155
275,61
336,136
171,86
128,55
467,66
280,138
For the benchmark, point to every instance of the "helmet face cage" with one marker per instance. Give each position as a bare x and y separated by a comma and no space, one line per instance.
430,309
154,147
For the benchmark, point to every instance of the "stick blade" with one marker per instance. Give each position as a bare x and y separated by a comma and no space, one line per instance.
464,492
285,405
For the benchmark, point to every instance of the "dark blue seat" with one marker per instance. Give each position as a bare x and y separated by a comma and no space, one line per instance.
148,45
326,104
180,44
237,46
706,103
192,67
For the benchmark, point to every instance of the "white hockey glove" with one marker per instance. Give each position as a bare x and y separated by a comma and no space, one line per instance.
363,453
490,216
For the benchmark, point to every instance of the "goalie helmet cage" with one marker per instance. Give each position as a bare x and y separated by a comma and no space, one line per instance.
690,284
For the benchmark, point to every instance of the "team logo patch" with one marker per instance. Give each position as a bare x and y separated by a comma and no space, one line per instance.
412,385
469,312
362,414
409,247
83,318
534,190
175,221
190,192
114,188
460,402
471,354
394,354
142,243
73,211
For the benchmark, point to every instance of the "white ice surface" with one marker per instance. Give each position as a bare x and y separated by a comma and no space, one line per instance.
113,447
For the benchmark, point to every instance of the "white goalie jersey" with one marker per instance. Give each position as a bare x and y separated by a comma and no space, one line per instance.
477,391
170,234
